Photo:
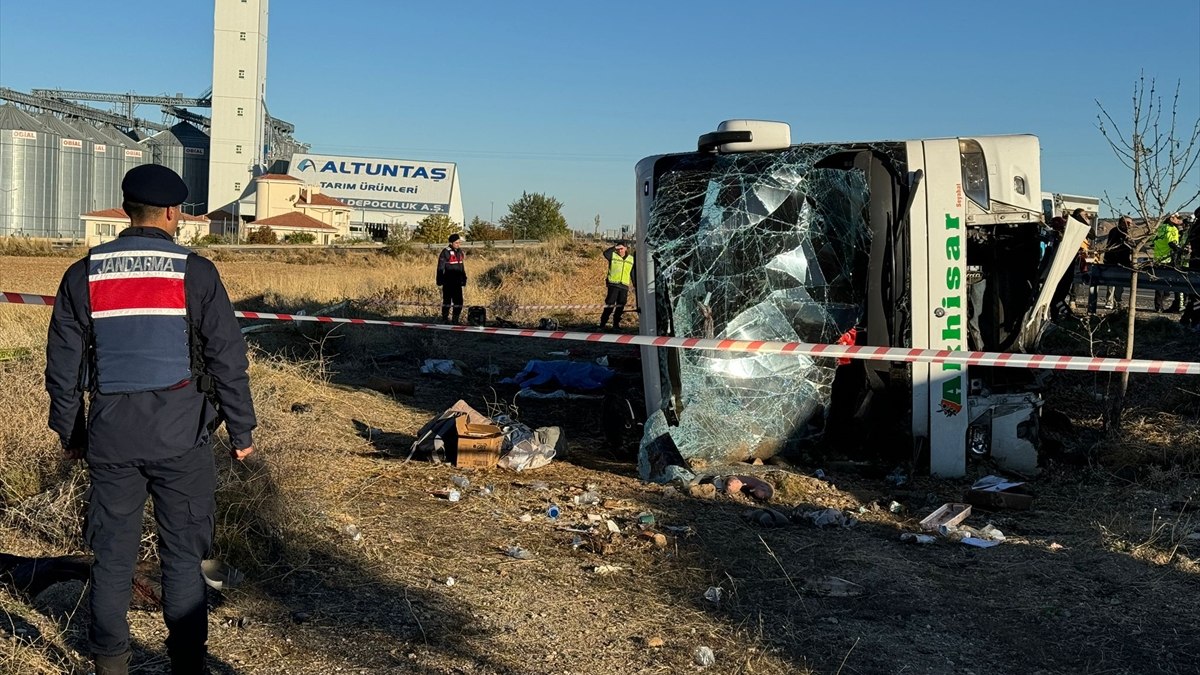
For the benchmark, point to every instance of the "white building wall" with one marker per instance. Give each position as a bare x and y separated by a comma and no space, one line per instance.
239,87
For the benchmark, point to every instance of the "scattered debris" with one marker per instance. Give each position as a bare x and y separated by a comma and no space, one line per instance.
553,511
518,553
236,622
895,507
478,446
612,527
530,449
441,367
748,485
646,519
834,587
985,537
659,540
714,594
918,538
702,490
997,493
539,486
450,581
588,498
767,517
680,530
946,515
461,481
220,576
979,543
353,532
897,477
301,408
525,518
704,657
604,570
655,642
830,517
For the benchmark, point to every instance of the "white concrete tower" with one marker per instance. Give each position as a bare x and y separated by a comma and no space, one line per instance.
239,88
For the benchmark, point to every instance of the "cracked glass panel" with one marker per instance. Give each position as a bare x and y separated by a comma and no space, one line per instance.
757,246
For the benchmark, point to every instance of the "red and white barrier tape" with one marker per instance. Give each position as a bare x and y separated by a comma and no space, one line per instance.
503,306
868,353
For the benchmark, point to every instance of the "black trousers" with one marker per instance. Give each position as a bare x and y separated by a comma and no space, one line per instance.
614,304
184,511
452,298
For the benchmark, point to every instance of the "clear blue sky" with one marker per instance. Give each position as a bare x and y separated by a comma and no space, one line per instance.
564,97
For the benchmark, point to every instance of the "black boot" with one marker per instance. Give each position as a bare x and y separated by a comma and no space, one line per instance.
604,317
113,665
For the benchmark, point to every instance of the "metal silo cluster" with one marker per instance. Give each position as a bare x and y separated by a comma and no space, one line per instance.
54,170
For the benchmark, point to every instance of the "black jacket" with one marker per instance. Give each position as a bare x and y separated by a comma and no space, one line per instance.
133,428
451,270
1117,249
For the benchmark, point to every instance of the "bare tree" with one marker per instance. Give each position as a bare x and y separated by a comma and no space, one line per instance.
1160,152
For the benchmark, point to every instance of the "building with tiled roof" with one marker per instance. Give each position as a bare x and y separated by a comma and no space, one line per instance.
295,222
104,225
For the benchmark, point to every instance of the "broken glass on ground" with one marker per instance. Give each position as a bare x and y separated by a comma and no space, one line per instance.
753,247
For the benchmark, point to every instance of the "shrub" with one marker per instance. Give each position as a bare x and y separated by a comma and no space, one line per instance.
300,238
397,246
209,240
262,235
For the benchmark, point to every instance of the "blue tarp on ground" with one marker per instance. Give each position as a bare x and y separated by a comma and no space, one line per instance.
575,376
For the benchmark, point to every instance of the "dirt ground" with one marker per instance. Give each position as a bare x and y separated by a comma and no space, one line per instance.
1100,576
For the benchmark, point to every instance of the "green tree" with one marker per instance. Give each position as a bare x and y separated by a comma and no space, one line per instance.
535,216
482,230
435,229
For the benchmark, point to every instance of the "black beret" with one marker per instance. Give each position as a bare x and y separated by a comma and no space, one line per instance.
454,237
155,185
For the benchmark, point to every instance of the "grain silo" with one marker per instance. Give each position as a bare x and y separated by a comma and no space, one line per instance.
108,168
131,152
74,177
28,171
184,149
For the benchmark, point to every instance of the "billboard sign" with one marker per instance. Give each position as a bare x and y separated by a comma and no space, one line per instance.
374,184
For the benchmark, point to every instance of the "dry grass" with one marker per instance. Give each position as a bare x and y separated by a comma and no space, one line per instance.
1100,558
23,246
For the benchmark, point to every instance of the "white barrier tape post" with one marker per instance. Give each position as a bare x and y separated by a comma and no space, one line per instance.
1000,359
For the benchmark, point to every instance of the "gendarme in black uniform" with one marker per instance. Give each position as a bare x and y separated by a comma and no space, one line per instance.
141,326
452,276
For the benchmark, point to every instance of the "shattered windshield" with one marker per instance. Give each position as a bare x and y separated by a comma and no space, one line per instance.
756,246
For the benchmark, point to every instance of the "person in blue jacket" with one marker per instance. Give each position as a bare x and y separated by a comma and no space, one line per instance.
143,358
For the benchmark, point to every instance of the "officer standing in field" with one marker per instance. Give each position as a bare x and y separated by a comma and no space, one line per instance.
145,328
620,276
452,276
